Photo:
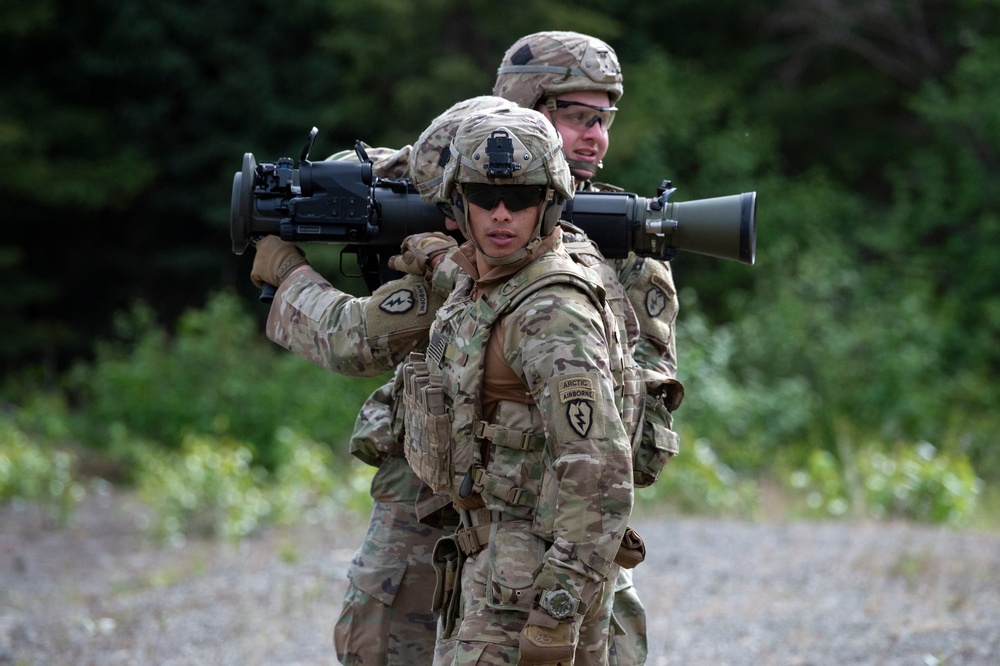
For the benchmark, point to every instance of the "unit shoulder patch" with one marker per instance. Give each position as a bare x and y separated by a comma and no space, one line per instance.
656,302
404,299
576,407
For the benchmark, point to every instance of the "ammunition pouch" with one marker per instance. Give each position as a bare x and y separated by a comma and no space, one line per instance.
657,445
427,424
447,560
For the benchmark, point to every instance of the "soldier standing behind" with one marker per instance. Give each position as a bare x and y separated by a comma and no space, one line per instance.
575,80
386,618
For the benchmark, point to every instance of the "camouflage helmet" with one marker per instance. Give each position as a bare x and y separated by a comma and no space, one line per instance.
545,64
479,155
388,163
431,151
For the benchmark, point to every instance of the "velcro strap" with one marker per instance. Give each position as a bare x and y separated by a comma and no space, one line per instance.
503,489
509,439
473,539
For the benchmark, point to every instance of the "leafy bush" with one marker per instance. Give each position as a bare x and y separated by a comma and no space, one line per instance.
216,375
914,482
211,488
746,420
33,472
810,349
208,490
697,481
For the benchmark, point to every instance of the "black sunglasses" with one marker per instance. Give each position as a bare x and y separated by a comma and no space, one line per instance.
515,197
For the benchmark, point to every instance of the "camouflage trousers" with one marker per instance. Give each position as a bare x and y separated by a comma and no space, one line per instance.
628,624
492,612
386,618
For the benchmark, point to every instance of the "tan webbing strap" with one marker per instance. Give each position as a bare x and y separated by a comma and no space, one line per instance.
473,539
509,439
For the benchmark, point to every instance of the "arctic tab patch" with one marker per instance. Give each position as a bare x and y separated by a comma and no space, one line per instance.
576,388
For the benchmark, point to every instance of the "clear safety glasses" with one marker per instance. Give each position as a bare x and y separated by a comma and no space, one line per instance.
583,116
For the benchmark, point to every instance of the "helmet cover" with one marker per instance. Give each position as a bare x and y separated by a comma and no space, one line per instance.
432,149
513,146
546,64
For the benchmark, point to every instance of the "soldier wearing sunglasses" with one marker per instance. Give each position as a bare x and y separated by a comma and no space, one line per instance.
516,413
575,81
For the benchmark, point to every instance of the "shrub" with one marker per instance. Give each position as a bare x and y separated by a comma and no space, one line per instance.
697,481
216,375
36,473
212,488
914,482
207,489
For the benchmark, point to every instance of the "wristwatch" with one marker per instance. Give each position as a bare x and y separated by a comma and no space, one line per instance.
559,603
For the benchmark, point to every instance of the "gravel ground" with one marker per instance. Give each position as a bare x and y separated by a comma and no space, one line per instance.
717,592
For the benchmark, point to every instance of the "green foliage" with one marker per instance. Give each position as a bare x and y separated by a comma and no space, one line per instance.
746,420
947,208
41,413
697,481
914,482
215,375
829,336
310,486
211,488
34,472
872,140
209,491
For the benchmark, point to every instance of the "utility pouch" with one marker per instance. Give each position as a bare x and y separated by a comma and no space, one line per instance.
447,560
427,441
658,443
632,550
514,555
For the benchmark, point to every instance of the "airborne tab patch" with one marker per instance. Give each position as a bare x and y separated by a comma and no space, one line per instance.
578,413
577,388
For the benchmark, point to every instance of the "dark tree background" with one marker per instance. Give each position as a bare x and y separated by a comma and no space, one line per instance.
870,130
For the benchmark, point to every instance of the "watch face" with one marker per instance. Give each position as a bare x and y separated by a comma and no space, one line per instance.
558,603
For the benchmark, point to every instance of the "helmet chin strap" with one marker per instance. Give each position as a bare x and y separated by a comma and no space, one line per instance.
526,251
589,167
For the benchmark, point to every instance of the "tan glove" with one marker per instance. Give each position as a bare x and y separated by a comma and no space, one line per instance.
546,641
274,260
419,251
632,550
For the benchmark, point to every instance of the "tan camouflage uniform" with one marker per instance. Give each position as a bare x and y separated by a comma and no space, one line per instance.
542,475
535,70
573,494
386,617
329,328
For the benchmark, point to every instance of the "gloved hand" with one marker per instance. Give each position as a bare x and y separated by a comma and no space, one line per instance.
419,251
546,641
274,260
632,550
